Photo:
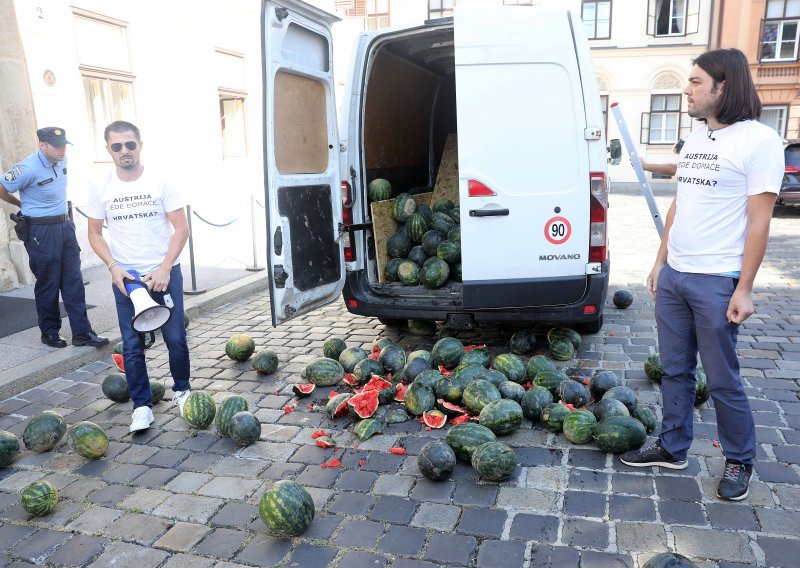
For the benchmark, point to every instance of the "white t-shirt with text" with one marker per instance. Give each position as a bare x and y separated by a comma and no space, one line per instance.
715,177
135,213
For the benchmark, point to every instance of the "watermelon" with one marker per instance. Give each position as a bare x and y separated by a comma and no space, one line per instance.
449,251
380,342
434,418
455,272
156,392
622,299
413,369
646,416
454,233
395,416
448,352
87,439
442,222
431,241
511,391
422,327
240,347
403,207
398,245
623,394
511,366
465,373
419,399
539,363
701,395
393,358
564,333
9,447
265,362
379,189
390,271
601,382
607,407
494,461
579,426
303,390
443,205
479,355
333,347
227,408
325,372
244,428
365,369
478,394
501,416
421,354
417,225
466,438
450,390
286,508
553,416
39,498
44,431
417,255
425,211
572,392
115,388
562,350
550,380
347,359
522,342
653,369
434,273
430,378
534,401
118,348
495,377
199,410
364,404
337,405
449,408
186,320
436,460
369,427
119,361
619,434
669,560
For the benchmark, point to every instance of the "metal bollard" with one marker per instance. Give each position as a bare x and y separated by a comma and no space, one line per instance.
255,267
194,291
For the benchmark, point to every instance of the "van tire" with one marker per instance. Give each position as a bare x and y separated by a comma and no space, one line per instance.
590,327
391,322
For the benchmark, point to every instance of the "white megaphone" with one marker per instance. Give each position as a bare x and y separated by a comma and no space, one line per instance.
148,314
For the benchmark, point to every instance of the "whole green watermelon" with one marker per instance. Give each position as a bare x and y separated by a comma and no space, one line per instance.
88,440
227,408
494,461
265,362
39,498
44,431
9,447
379,189
325,372
240,347
287,508
199,410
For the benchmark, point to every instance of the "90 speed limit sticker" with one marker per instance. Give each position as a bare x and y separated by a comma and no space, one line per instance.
557,230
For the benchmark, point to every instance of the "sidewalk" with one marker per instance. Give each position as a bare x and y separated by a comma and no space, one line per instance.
25,362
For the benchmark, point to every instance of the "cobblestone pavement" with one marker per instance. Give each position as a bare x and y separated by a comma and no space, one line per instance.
172,497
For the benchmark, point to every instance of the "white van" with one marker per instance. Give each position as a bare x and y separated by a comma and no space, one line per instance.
518,88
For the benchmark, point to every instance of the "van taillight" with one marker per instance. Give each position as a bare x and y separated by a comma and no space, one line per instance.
598,215
347,220
477,189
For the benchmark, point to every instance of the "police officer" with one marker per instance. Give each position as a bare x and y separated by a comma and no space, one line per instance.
53,251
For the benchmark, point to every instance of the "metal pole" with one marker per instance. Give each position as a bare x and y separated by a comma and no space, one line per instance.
194,291
255,267
637,166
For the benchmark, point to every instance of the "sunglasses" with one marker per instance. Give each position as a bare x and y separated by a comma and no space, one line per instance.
117,146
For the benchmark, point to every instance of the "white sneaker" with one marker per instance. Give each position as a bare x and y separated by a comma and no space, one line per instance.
141,419
179,398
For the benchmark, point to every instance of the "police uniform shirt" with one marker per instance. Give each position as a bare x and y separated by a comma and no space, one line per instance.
42,186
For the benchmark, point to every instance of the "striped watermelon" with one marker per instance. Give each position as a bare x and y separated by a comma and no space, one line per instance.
44,431
227,408
199,410
403,207
579,426
379,189
417,225
39,498
240,347
511,366
9,447
434,273
449,251
286,508
265,362
408,273
87,439
333,347
244,428
431,241
494,461
325,372
501,416
466,438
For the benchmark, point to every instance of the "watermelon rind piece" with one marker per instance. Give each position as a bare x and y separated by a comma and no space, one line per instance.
465,439
244,429
87,439
9,447
436,460
303,390
265,362
534,401
337,406
368,427
39,498
199,410
240,347
325,372
364,404
502,416
286,508
434,418
227,408
494,461
619,434
44,431
578,426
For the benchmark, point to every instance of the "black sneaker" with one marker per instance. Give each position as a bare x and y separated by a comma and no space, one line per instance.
650,455
735,482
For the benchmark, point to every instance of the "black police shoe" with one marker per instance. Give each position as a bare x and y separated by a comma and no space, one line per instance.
53,340
90,338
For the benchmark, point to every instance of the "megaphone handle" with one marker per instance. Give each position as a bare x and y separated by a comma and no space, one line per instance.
146,344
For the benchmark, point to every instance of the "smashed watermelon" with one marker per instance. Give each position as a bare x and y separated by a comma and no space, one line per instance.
364,404
303,390
434,418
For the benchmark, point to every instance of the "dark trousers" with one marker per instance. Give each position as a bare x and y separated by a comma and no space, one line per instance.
55,260
174,335
690,314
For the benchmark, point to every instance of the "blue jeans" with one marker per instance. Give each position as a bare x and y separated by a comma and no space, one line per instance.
690,314
174,335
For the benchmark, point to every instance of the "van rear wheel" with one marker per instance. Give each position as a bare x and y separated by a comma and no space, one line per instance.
591,326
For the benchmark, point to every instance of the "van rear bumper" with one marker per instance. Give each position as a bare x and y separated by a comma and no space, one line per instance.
361,300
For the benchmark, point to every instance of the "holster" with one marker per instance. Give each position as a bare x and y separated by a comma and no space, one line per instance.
22,226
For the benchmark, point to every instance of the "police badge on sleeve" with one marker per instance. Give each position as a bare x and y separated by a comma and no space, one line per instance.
12,174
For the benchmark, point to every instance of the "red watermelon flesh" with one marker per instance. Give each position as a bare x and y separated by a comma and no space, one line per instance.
119,361
459,419
434,419
376,383
364,404
350,379
449,408
400,392
303,390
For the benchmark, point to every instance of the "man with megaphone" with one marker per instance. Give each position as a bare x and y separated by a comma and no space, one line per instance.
148,229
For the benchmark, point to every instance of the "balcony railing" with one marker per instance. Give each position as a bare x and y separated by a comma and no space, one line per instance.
776,70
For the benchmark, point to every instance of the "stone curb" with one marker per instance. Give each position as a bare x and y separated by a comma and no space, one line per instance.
62,361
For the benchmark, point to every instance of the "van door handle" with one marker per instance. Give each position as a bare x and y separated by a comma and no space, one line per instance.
487,212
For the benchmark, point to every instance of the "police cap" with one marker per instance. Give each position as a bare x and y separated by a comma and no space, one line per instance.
53,135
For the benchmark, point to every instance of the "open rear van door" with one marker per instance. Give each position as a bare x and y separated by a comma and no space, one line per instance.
301,161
